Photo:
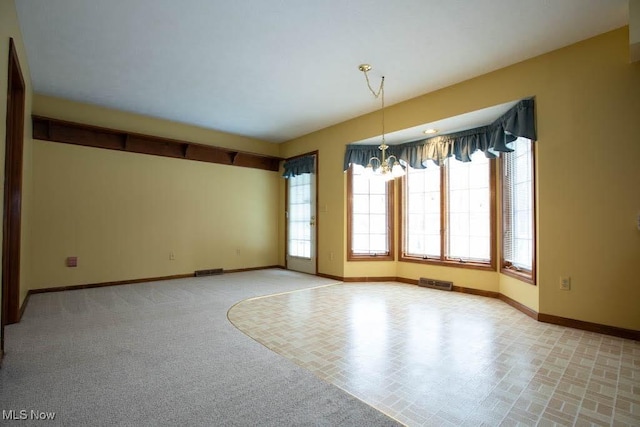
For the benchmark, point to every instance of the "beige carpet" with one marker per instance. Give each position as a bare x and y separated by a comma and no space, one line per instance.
163,353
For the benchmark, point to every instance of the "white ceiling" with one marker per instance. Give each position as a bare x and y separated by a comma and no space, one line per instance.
279,69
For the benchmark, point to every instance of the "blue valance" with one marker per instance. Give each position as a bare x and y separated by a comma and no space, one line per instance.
361,154
299,166
519,121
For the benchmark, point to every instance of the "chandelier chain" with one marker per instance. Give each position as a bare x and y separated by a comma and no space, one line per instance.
378,94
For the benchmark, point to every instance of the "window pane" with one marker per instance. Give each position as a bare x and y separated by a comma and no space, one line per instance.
517,205
369,217
360,243
361,203
469,209
378,243
360,223
422,217
377,185
378,223
378,204
299,216
360,186
432,224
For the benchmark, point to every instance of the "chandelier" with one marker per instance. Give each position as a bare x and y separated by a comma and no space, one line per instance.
388,167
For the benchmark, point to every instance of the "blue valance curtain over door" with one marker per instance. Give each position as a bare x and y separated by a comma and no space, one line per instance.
299,166
519,121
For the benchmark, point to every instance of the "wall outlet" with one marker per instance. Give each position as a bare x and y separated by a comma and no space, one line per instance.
172,256
238,252
330,256
565,283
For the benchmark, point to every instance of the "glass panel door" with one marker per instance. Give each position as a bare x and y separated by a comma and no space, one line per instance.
301,223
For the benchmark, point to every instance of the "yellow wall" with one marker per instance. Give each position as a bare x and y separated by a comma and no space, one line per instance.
123,213
9,27
588,104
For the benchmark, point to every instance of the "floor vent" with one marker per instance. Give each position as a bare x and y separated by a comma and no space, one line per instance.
435,284
211,272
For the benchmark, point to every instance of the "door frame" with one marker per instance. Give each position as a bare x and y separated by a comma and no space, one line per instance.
12,207
286,206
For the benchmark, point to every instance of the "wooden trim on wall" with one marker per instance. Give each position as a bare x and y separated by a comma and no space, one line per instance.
12,203
242,270
541,317
370,279
479,292
546,318
134,281
129,282
54,130
103,284
24,304
330,276
589,326
519,306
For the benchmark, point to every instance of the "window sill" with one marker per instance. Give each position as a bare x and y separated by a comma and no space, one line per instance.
381,257
524,276
446,263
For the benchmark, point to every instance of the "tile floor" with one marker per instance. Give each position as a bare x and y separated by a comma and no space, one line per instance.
429,357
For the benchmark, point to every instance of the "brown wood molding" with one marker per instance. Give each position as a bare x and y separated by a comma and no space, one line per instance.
12,200
541,317
130,282
479,292
546,318
24,304
242,270
370,279
519,306
330,276
102,284
407,281
589,326
54,130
